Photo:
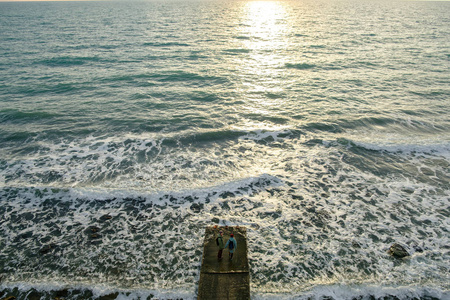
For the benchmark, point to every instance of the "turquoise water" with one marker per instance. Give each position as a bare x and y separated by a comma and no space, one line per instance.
323,127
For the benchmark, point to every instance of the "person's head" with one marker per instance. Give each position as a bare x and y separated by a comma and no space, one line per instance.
221,232
231,235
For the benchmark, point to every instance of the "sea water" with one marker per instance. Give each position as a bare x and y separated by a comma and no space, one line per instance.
128,127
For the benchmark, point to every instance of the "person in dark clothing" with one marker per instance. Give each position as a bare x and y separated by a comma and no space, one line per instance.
219,241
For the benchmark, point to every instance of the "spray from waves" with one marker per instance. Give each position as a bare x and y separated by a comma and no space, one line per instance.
324,212
332,292
80,292
159,163
355,292
93,239
204,159
430,149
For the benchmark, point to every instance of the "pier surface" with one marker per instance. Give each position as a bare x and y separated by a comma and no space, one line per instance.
225,278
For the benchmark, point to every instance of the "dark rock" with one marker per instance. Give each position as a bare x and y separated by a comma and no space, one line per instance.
34,295
356,244
398,251
297,197
109,297
9,298
47,248
94,228
106,217
62,293
418,249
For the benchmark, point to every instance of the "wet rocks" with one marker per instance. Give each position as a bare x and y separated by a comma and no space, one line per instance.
109,296
418,248
61,294
94,229
356,245
94,236
398,251
106,217
47,249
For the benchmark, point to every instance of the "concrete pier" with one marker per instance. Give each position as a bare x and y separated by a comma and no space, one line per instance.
224,279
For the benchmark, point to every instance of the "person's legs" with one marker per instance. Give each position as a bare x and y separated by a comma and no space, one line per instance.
219,255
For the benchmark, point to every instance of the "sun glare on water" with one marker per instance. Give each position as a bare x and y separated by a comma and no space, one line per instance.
265,29
264,34
265,22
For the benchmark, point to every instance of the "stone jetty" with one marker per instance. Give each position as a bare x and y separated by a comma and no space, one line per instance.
224,279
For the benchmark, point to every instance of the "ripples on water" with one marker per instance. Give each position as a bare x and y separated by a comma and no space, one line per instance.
128,128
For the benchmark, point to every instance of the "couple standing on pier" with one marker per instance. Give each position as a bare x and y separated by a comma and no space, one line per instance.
231,245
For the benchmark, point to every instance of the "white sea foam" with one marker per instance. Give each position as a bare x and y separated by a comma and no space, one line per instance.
312,213
341,291
338,291
76,291
425,149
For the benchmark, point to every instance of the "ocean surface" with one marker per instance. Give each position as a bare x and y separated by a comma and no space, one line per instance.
127,127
